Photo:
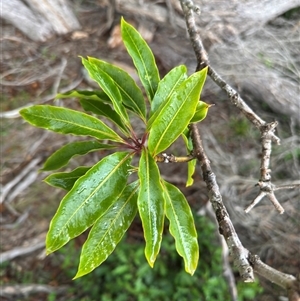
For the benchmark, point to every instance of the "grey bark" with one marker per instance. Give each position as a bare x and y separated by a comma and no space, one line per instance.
40,19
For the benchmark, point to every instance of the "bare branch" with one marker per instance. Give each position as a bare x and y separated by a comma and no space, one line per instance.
28,289
203,61
288,282
242,258
20,220
292,186
227,270
9,186
266,129
34,244
226,228
15,113
260,196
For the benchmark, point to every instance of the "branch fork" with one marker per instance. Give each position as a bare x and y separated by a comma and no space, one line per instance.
243,260
267,129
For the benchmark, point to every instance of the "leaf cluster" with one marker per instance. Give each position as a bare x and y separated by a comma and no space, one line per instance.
126,275
100,197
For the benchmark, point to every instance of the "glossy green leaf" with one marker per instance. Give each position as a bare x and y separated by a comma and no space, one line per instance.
176,113
187,139
151,205
66,121
191,172
97,102
201,111
108,230
91,195
102,109
132,95
142,57
85,94
108,86
191,164
182,226
63,155
165,88
66,180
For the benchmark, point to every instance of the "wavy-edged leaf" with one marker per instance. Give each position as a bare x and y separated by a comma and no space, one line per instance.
201,111
85,94
66,121
108,85
62,156
132,95
151,205
66,180
102,109
191,164
165,88
142,57
91,195
187,140
108,230
182,226
191,171
176,113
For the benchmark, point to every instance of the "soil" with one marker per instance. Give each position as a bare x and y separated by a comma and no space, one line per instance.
31,71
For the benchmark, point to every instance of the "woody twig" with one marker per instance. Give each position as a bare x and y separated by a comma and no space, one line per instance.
267,130
243,260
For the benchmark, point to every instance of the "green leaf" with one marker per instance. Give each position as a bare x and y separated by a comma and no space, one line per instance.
102,109
182,226
176,113
97,102
187,140
108,86
191,164
191,171
85,94
132,96
66,121
142,57
66,180
108,230
201,111
91,195
165,89
63,155
151,205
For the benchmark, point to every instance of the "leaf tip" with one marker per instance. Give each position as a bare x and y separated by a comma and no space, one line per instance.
151,263
78,275
190,271
81,57
189,183
123,21
48,251
151,260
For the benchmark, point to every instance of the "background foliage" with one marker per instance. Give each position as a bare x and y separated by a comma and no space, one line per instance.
127,276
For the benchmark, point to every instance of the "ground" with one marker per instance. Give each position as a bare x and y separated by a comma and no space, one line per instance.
33,72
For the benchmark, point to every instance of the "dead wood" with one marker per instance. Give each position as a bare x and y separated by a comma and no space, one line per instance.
39,20
28,289
222,19
18,14
34,244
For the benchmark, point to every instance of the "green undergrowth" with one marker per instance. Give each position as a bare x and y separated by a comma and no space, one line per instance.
126,276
